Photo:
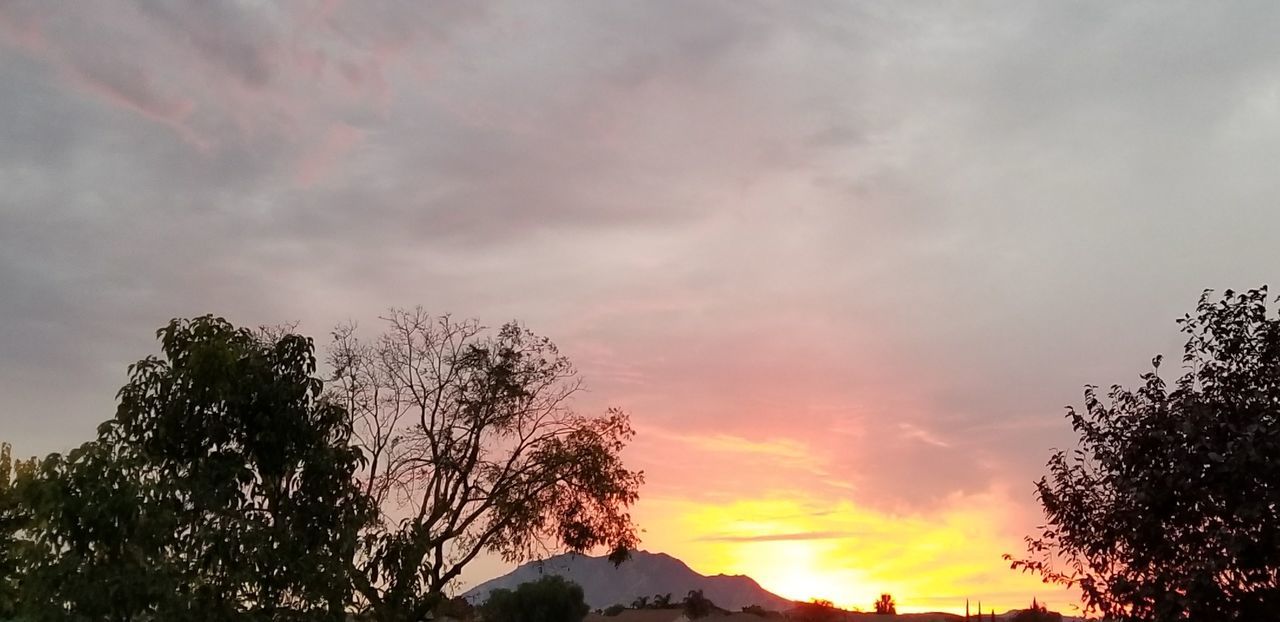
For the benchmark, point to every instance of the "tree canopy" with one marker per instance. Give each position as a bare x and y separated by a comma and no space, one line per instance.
1169,508
816,610
222,489
14,517
1035,613
472,447
696,605
549,599
230,485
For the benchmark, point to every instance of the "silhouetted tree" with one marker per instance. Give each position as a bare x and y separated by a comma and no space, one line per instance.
1169,509
640,602
89,549
1036,613
471,447
886,606
755,610
697,606
613,610
14,517
222,490
662,601
549,599
457,608
816,610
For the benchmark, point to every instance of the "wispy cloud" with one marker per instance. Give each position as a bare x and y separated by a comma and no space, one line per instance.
918,433
854,252
787,449
779,537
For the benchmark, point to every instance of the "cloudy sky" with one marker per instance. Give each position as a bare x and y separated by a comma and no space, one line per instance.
843,262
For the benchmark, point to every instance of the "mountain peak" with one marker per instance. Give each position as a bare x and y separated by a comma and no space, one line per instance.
645,574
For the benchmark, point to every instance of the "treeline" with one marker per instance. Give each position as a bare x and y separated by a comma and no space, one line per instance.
235,483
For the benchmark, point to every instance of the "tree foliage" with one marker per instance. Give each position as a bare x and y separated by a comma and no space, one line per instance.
1035,613
472,448
93,537
231,486
15,552
696,605
1169,509
816,610
549,599
885,605
457,607
222,489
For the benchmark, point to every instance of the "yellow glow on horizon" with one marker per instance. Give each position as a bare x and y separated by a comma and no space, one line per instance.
802,549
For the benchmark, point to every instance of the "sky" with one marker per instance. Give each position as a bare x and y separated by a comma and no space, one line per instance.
843,263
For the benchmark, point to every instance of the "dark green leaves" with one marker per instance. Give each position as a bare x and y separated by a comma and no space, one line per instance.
222,489
230,486
1169,510
549,599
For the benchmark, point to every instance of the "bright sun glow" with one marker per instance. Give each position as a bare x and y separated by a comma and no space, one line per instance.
801,570
802,549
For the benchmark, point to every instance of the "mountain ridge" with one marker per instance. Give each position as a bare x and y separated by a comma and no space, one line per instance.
645,574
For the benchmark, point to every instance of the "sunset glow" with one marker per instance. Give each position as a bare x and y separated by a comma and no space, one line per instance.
808,547
842,265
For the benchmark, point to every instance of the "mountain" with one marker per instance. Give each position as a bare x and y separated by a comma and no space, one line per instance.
645,574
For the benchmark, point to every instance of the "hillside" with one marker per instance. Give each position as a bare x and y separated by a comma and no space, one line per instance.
645,574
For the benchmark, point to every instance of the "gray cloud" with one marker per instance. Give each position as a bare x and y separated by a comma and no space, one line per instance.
734,215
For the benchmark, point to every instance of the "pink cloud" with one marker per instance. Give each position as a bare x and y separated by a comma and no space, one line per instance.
222,76
22,31
137,94
316,164
110,78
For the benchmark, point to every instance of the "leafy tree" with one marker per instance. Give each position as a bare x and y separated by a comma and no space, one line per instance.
697,606
10,523
222,489
233,426
816,610
662,601
549,599
14,519
457,608
1036,613
613,610
92,540
1169,510
472,447
886,606
640,602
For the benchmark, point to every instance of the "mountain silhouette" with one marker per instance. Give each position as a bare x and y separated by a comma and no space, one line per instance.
645,574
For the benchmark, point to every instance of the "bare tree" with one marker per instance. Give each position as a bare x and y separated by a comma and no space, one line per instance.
471,446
